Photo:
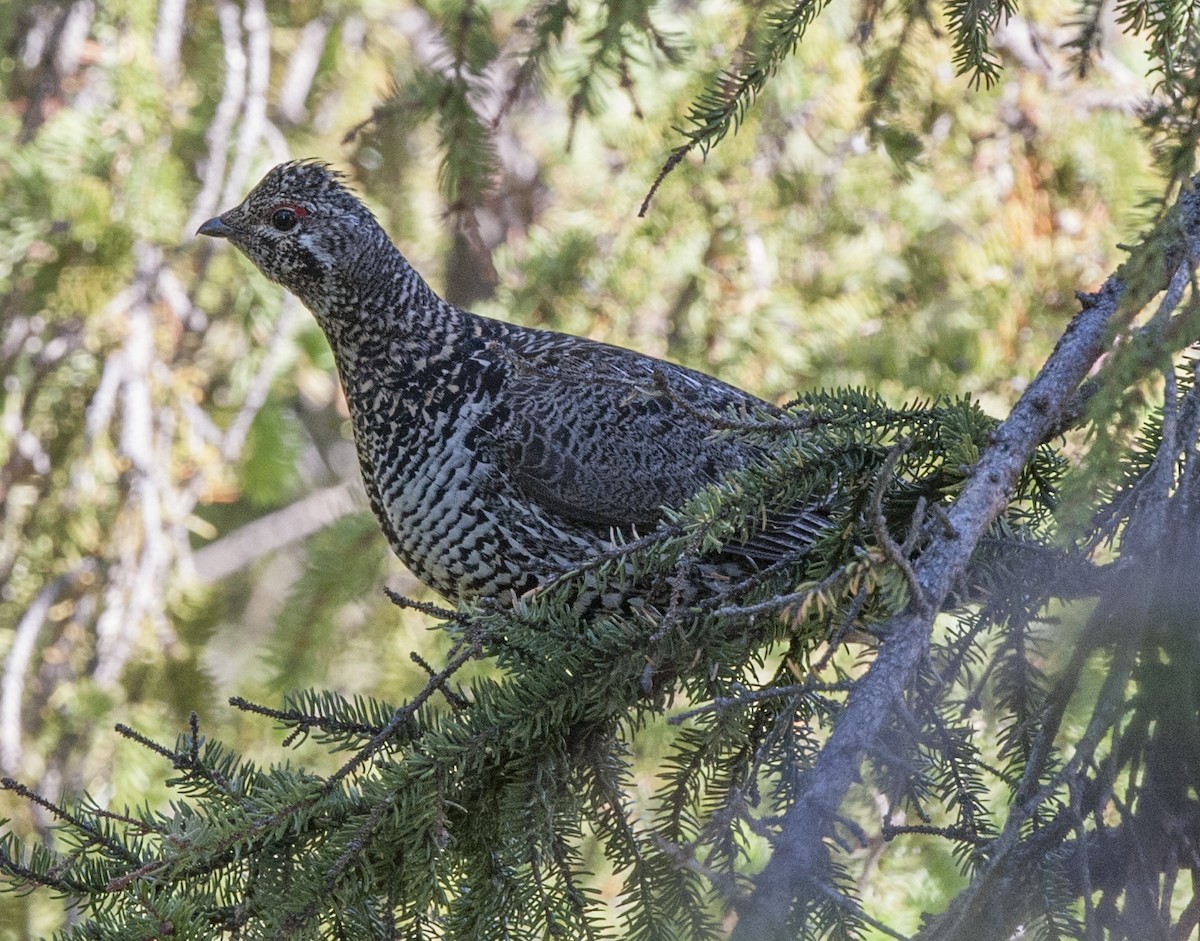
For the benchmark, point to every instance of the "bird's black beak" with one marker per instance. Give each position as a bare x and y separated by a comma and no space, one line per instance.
216,228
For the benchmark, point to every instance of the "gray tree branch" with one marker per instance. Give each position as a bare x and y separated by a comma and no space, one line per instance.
800,857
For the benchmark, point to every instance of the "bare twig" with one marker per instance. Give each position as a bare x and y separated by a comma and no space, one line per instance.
672,161
425,607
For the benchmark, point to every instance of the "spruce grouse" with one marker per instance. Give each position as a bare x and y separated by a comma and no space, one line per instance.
493,454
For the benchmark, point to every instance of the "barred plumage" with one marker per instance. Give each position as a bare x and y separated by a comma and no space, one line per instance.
492,454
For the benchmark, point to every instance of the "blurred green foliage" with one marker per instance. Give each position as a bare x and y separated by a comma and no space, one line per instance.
873,222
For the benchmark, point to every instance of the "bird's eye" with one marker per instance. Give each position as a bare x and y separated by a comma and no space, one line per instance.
286,217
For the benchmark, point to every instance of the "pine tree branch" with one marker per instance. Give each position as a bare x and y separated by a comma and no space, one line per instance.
800,859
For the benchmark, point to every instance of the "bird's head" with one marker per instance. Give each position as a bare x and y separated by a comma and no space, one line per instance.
303,229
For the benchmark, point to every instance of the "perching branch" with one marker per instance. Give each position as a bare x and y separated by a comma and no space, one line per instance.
801,857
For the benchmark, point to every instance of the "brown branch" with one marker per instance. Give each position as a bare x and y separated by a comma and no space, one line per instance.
671,163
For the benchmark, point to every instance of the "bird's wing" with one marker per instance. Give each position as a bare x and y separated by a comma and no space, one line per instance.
782,535
604,436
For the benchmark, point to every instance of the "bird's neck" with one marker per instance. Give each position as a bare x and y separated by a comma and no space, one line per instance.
384,322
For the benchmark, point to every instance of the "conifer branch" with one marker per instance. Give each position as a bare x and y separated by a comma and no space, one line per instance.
800,855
